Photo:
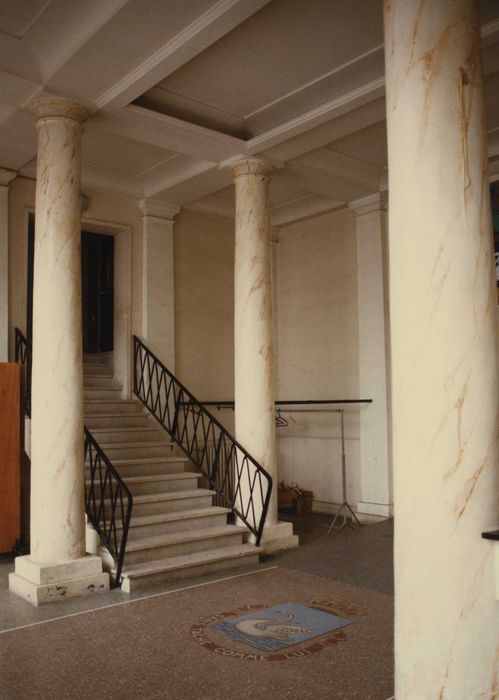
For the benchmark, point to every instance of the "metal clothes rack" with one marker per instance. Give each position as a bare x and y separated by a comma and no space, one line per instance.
342,515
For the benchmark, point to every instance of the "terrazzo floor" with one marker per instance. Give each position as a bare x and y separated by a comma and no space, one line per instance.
167,643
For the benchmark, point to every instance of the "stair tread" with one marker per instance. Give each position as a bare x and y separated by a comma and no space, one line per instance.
125,429
186,536
168,496
139,520
148,478
187,560
116,401
116,415
146,443
148,460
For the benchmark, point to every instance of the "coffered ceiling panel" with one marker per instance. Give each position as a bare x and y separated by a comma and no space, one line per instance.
305,53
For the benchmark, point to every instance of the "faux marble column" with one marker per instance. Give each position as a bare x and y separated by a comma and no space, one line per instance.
57,567
253,329
372,288
5,177
158,291
443,323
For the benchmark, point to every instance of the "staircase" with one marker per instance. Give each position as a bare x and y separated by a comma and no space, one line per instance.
175,531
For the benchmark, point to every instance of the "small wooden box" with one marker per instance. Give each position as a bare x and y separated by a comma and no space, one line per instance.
288,501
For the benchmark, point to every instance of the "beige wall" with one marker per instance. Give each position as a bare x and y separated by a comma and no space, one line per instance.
204,305
318,352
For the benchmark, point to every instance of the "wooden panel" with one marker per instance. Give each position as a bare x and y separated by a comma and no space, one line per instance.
11,451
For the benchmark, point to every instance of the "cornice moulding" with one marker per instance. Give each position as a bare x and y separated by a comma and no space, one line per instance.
158,209
371,203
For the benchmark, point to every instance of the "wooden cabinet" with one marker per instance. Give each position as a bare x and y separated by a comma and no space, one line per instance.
11,454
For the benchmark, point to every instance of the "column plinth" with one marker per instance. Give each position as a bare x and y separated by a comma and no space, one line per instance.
443,310
57,471
254,380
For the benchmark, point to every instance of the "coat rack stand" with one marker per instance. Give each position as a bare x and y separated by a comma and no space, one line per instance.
341,516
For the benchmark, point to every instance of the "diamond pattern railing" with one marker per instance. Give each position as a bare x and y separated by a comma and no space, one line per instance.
240,483
108,502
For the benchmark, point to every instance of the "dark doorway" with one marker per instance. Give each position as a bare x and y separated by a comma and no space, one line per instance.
97,267
97,287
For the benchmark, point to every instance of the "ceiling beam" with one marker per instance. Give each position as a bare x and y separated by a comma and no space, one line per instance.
163,131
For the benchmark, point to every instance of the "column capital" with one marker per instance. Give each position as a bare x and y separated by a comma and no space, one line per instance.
60,107
158,209
373,202
252,166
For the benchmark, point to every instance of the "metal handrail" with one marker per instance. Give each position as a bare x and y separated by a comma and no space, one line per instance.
240,482
23,357
108,500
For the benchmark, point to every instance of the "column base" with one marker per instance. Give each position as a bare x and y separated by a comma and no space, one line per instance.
48,583
276,537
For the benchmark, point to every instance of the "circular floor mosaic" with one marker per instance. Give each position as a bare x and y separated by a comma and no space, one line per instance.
284,631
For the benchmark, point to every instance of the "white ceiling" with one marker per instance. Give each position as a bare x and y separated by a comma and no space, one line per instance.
176,89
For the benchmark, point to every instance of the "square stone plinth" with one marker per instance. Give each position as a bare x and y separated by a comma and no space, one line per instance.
276,537
48,583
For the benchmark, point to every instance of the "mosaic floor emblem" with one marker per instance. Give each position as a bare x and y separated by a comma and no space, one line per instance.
280,627
285,631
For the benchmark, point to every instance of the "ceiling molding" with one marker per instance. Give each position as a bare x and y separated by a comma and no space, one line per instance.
334,108
204,31
6,176
490,32
329,131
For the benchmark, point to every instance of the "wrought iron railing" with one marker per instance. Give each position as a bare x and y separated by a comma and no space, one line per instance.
108,502
240,482
23,356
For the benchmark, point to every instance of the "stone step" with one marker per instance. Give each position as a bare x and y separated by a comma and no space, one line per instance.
149,466
115,406
139,576
117,420
158,483
135,450
100,392
180,521
170,502
98,358
100,380
106,436
181,543
97,368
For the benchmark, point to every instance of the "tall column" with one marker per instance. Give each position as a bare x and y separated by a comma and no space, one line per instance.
372,286
57,567
158,312
253,329
5,177
443,322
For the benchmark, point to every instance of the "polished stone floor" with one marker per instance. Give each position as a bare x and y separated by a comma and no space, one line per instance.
167,643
